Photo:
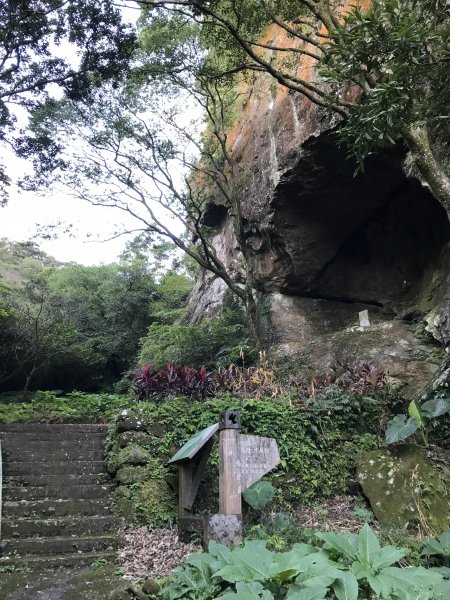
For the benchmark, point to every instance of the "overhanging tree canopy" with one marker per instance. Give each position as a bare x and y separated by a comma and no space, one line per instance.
383,68
37,38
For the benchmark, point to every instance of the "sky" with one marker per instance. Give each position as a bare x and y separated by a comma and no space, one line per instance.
25,211
20,218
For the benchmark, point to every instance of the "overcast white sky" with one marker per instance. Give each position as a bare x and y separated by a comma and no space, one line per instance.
25,210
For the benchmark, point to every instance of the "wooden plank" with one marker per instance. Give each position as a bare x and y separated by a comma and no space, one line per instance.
230,502
184,487
198,473
257,456
194,445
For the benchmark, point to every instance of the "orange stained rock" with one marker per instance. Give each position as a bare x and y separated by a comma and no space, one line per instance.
263,94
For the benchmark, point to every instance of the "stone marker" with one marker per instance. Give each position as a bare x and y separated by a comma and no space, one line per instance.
364,320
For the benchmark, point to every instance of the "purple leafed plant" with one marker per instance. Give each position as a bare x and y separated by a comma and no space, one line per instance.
172,381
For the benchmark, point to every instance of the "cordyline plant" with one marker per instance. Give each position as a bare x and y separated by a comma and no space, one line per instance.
171,380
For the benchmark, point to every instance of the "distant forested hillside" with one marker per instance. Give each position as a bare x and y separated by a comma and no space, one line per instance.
66,326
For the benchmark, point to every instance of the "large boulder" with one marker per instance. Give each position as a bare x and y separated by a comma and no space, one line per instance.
408,485
320,344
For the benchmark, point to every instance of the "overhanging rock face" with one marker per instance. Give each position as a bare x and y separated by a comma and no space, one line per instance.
327,244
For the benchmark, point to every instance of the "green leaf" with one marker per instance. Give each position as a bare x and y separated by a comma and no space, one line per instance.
289,564
346,544
387,556
259,494
240,596
254,588
321,572
436,407
400,429
432,547
252,562
444,571
368,545
314,593
415,412
346,587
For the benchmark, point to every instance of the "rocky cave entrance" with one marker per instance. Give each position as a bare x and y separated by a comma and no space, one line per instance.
375,238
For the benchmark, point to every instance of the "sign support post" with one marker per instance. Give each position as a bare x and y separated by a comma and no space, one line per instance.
230,502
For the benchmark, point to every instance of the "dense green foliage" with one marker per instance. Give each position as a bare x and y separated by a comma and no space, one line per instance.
345,567
318,443
71,326
75,407
403,46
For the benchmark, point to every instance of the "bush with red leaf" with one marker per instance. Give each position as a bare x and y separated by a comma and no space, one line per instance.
173,381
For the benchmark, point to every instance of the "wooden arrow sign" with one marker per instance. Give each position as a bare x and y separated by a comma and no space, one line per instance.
257,456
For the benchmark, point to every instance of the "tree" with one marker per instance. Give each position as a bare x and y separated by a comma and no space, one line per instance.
39,329
385,70
73,326
35,37
137,151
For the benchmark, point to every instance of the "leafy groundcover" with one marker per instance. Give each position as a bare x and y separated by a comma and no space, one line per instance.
342,566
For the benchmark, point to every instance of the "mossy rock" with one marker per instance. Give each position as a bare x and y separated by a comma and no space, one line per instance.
128,421
154,504
408,485
147,503
124,508
134,437
122,491
129,474
156,429
131,455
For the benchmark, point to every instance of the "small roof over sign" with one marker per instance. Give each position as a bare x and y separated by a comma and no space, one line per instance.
190,449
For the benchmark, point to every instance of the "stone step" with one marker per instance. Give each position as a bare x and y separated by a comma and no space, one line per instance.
54,467
64,428
56,507
31,440
51,455
55,561
59,527
58,480
89,491
59,545
28,443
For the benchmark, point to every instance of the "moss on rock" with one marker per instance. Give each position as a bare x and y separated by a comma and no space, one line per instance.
134,437
129,474
408,485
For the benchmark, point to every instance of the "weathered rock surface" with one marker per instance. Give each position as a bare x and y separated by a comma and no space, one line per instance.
389,345
408,485
325,243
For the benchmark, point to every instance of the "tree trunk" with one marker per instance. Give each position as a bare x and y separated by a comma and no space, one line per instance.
28,381
428,166
255,327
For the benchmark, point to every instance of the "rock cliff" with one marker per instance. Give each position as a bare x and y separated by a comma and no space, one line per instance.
327,244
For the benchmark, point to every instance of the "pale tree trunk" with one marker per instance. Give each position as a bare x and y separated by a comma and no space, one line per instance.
418,141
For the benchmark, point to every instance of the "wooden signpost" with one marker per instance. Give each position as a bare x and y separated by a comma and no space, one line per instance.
243,460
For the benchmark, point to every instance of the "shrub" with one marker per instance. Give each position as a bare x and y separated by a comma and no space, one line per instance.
317,446
347,567
173,381
76,407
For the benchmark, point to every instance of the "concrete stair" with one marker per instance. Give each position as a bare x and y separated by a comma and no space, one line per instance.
56,508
